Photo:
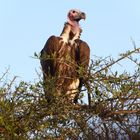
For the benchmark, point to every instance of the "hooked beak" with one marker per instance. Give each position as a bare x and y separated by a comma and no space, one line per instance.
83,15
80,16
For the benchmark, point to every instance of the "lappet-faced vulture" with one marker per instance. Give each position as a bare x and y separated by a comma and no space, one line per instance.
65,59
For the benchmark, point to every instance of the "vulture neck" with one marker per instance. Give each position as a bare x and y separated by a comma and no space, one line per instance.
74,26
71,31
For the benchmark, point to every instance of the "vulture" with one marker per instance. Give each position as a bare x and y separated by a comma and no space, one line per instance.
65,60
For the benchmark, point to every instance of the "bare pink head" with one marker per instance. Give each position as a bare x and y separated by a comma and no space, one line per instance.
74,16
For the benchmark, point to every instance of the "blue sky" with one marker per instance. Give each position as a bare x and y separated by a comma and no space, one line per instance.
25,26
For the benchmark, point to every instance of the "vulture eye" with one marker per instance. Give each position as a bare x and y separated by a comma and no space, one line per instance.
73,11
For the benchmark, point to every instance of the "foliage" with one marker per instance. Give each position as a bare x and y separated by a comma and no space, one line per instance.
112,111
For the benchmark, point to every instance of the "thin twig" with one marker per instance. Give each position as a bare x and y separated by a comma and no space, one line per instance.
114,62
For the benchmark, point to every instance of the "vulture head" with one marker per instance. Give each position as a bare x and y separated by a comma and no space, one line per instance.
74,16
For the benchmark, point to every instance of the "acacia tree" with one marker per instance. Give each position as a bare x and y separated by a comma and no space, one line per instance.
112,110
